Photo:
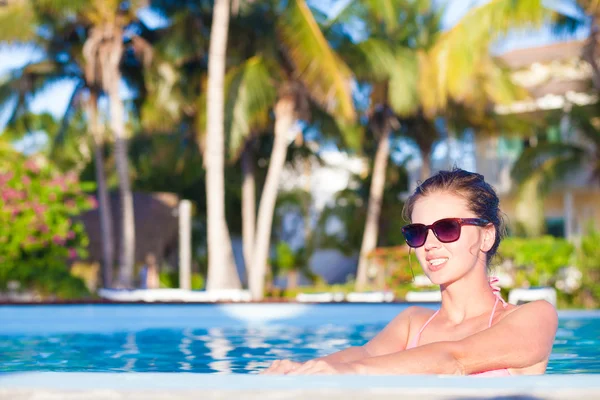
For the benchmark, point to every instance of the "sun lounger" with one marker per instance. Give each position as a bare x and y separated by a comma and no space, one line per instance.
520,296
429,296
174,295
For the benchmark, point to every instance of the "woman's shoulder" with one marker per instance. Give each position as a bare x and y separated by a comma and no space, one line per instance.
538,307
411,315
540,310
416,314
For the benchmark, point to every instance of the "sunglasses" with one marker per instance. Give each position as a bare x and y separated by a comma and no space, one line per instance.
447,230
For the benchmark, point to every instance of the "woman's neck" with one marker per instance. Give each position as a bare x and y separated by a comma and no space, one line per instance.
468,297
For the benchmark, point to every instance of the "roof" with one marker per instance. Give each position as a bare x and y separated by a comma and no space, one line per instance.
543,54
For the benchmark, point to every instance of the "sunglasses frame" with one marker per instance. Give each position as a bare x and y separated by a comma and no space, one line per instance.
460,221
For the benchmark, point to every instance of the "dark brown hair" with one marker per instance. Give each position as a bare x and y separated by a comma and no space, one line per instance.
481,198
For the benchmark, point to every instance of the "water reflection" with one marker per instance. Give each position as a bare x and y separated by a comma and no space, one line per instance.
219,346
243,349
129,349
184,348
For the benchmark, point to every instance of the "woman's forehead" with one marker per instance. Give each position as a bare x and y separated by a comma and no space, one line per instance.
438,205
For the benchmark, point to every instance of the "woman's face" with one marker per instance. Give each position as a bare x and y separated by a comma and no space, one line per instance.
447,262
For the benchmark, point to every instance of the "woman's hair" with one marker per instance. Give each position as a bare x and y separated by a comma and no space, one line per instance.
480,196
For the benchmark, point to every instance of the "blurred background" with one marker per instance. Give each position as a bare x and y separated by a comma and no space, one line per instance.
269,145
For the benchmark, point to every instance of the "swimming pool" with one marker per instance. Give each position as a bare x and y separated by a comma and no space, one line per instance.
228,338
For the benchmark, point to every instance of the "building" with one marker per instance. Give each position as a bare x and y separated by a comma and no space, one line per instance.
557,79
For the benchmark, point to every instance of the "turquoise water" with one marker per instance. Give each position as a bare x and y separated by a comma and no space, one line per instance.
222,339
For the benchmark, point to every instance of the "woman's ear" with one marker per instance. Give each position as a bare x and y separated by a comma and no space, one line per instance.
489,238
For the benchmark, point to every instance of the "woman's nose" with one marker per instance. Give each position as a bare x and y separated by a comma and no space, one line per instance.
431,242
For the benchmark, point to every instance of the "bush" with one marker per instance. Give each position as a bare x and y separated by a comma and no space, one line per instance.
37,234
588,260
536,261
170,279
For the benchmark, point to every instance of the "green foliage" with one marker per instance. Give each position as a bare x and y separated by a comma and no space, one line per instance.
537,260
38,235
285,258
589,264
170,279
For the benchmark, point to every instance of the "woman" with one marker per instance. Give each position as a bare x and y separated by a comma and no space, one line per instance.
455,231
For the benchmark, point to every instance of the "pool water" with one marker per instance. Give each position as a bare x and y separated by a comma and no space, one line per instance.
222,339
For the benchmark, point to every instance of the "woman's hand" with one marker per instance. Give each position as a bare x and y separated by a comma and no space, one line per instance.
281,367
322,367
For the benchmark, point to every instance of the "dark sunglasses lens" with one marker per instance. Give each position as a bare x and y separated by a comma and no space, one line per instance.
447,230
414,235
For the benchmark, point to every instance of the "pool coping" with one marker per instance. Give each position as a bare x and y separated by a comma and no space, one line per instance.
149,385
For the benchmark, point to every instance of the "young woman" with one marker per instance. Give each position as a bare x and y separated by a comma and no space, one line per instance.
455,231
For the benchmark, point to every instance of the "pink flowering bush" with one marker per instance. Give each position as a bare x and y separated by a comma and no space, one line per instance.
38,235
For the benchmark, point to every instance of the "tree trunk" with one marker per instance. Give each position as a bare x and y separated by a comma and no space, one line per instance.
284,120
590,52
292,279
248,205
222,273
369,241
426,165
111,57
529,210
104,209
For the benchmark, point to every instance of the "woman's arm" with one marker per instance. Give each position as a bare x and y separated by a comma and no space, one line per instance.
391,339
521,339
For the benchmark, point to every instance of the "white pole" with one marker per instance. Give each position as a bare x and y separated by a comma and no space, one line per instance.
569,217
185,242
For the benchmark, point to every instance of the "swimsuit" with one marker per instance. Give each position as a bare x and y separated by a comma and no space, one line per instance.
497,372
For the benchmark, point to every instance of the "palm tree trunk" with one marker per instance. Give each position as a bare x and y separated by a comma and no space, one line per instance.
222,273
425,165
529,210
248,205
284,120
104,209
292,279
111,58
369,241
590,52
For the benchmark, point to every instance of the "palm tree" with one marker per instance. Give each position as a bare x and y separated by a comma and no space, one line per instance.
221,266
96,62
36,76
284,66
304,67
250,96
549,163
103,51
419,74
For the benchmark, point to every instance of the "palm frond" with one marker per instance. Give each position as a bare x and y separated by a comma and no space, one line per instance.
181,42
18,21
63,8
588,123
326,77
375,59
455,58
250,95
386,12
348,136
498,84
551,162
403,90
66,119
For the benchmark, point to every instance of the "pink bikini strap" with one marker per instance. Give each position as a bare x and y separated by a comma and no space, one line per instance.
496,289
428,321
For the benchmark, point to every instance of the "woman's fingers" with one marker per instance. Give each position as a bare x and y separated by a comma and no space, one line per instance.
310,367
281,367
272,368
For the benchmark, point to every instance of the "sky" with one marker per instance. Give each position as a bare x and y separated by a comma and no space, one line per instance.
55,99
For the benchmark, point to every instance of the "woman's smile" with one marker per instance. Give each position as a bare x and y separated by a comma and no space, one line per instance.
437,263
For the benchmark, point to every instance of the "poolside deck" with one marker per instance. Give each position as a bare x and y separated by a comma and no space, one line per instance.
166,386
